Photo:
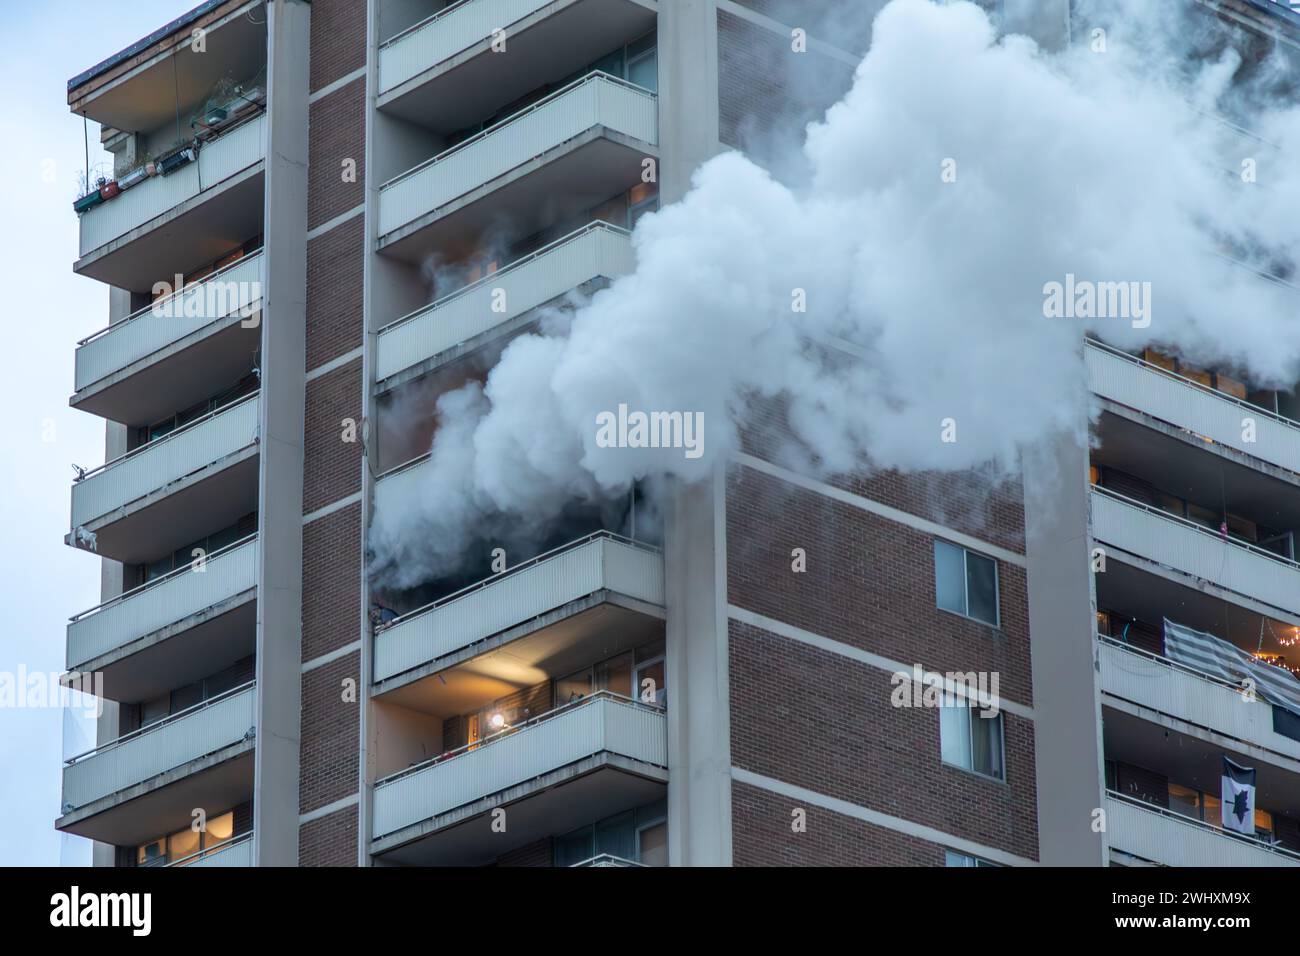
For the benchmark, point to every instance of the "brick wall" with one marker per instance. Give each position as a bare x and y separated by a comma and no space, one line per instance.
330,840
330,738
983,503
869,582
825,723
338,40
332,466
762,836
331,568
335,263
337,132
767,93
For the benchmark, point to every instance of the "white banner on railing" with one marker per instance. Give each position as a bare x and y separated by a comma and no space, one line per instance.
1213,655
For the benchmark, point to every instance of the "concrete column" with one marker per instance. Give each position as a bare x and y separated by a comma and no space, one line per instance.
283,359
699,749
1062,609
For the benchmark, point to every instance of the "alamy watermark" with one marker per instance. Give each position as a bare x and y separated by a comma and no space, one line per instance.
214,298
77,690
624,429
1084,299
922,688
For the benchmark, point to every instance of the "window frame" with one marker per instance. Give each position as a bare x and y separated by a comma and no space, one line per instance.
956,701
966,553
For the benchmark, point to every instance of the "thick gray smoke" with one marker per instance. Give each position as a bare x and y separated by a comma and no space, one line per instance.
959,176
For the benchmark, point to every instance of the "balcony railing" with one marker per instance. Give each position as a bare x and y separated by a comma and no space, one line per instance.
218,160
607,859
166,600
1189,405
146,331
1164,836
595,100
157,464
1185,546
595,251
173,742
236,852
1187,694
446,33
601,723
599,561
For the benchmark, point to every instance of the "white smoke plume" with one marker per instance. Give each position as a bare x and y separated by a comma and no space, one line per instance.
1110,166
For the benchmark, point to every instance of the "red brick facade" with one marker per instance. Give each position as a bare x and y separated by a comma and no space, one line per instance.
338,40
825,723
330,740
330,840
331,588
335,270
332,465
763,835
869,582
337,133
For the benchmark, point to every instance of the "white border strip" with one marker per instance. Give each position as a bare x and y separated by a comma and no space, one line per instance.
329,809
876,818
329,509
332,656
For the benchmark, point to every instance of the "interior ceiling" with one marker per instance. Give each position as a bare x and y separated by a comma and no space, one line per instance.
1149,597
1188,760
561,648
1174,466
147,98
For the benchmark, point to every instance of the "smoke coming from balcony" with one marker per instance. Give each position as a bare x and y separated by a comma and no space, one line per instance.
892,307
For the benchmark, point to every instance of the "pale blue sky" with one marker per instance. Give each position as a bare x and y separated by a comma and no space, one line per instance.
42,581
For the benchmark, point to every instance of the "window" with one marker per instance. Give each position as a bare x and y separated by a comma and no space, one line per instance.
953,858
969,741
178,846
965,583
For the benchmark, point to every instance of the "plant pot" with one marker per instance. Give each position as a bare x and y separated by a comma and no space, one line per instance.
109,189
87,201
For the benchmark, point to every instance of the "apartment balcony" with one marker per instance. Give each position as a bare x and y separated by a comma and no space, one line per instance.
1167,690
608,859
548,609
175,352
148,781
189,215
442,74
173,630
1183,403
1162,836
237,852
1182,546
590,759
166,490
582,144
581,259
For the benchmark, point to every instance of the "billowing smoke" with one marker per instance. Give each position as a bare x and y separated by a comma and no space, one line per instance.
895,305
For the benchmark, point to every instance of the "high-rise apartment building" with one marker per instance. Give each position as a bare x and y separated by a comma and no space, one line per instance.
323,216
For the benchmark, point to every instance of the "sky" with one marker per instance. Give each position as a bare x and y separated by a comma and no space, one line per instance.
43,581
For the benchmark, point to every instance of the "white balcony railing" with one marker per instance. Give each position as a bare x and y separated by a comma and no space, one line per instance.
154,466
595,251
236,852
1163,836
551,580
597,724
446,33
236,289
595,100
1137,384
1180,544
139,756
607,859
163,601
218,160
1178,691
